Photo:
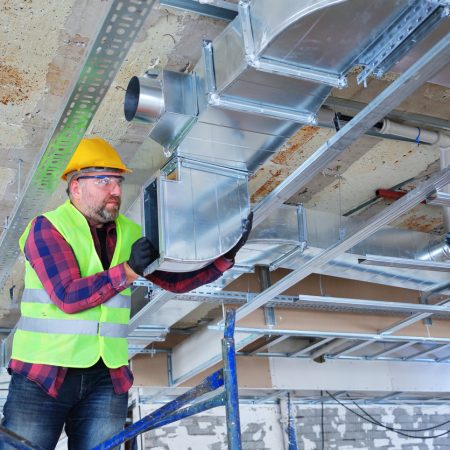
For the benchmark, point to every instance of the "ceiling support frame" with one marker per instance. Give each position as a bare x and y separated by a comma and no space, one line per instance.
406,339
422,70
367,228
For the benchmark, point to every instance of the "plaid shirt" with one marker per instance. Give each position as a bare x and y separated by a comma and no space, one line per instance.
54,262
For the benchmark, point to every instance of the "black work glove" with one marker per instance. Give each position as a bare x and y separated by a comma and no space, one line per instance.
246,228
142,255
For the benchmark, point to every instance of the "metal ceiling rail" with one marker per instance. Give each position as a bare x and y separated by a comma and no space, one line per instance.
352,348
367,228
410,320
117,33
269,344
409,340
353,107
301,302
346,358
309,348
325,349
421,71
390,350
388,261
424,352
141,317
375,304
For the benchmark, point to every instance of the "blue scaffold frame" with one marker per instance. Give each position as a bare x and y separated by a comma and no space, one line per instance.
181,407
291,432
184,405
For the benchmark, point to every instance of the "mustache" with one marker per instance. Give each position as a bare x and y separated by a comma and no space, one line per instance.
113,199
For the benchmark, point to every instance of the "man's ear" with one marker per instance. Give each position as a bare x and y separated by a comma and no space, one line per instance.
75,189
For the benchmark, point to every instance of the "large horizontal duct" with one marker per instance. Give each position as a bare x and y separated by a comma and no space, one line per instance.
266,75
294,235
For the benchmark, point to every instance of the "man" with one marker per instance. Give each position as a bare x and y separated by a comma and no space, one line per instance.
69,360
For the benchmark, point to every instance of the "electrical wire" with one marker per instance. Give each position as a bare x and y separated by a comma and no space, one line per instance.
395,430
398,429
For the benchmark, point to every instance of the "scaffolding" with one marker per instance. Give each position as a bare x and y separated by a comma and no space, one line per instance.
185,405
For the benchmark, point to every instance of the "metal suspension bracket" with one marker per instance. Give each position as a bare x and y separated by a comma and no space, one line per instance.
387,48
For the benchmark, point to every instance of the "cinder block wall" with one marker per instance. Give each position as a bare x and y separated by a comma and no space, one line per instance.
344,430
262,429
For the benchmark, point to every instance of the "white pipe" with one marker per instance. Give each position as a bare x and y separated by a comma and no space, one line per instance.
422,135
427,136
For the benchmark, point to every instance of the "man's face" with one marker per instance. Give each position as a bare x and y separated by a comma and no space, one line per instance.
97,195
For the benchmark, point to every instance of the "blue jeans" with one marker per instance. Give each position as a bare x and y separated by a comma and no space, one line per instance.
87,408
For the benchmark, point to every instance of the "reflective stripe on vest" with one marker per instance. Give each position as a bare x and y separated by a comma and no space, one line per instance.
41,296
86,327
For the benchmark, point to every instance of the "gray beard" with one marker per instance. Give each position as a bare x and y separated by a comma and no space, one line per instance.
105,216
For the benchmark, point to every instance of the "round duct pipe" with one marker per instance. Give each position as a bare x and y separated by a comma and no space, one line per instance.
144,100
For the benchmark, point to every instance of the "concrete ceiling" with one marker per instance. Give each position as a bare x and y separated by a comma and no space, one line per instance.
43,45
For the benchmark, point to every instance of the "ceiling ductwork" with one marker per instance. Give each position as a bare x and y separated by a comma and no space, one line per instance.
292,236
266,75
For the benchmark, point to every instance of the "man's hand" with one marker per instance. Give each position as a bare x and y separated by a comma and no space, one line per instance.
246,228
142,255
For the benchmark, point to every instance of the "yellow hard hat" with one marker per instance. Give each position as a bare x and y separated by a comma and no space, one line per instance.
94,152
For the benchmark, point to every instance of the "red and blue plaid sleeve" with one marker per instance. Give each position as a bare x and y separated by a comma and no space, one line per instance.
180,282
54,262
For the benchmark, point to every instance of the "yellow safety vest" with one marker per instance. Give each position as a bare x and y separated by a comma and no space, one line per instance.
47,335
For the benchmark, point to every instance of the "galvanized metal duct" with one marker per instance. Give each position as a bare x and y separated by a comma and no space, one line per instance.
294,235
261,79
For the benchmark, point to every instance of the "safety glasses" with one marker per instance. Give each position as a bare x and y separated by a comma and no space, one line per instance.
104,181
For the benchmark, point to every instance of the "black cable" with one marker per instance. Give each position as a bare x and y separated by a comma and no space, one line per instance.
398,429
386,426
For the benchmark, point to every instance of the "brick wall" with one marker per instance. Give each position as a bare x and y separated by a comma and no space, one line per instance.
261,429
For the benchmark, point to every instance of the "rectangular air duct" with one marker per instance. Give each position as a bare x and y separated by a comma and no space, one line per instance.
192,213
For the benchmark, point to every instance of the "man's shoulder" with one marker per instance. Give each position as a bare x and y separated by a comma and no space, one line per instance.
124,220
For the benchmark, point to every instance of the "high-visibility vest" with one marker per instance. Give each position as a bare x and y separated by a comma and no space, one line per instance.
47,335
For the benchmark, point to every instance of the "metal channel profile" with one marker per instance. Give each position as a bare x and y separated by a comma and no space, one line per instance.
396,35
373,337
375,304
368,228
440,199
112,43
421,71
388,261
